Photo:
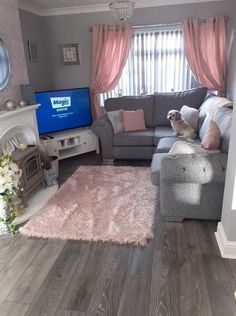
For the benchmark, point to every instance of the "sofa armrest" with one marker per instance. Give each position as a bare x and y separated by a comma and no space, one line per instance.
104,130
197,168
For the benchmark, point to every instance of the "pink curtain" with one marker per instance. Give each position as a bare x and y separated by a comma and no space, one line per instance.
204,42
110,49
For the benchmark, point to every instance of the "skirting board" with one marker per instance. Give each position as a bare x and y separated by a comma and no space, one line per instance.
227,248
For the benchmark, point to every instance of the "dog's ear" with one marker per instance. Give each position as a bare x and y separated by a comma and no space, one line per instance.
178,115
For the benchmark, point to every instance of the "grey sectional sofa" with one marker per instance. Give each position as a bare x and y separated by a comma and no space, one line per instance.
191,186
142,144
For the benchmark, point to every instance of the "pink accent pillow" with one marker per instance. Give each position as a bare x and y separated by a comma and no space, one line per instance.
211,140
133,120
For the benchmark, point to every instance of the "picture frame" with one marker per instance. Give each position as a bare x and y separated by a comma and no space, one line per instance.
70,54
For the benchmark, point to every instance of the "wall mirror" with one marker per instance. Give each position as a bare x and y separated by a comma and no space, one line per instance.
4,66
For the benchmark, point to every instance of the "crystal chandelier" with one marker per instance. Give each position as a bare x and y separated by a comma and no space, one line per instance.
122,9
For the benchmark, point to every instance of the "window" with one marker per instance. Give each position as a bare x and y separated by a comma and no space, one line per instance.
156,63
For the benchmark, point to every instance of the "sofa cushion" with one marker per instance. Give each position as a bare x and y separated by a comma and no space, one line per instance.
134,138
164,102
132,103
116,119
211,140
190,115
156,167
133,120
223,119
162,131
166,143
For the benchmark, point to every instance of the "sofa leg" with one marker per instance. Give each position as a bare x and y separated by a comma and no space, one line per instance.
173,219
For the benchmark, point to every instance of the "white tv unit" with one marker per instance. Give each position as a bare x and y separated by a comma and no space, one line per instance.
71,143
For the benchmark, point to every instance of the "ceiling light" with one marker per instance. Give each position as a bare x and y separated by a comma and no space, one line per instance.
122,9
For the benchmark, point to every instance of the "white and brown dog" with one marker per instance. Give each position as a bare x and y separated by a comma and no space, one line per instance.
180,126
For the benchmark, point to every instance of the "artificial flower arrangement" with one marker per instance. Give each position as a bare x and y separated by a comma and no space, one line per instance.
9,186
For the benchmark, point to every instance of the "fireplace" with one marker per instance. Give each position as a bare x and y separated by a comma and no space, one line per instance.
20,126
32,173
17,126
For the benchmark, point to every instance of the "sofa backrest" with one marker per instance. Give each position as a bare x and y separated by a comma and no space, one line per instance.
164,102
132,103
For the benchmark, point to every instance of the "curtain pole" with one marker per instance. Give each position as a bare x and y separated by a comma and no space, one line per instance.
159,25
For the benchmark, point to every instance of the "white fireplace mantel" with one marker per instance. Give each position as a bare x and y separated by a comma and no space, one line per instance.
20,120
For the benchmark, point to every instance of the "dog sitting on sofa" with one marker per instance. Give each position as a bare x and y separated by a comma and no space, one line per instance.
180,126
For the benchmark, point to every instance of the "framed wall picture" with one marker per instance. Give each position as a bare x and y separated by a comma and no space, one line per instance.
70,54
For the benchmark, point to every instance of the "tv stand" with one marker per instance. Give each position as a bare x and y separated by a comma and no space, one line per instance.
71,143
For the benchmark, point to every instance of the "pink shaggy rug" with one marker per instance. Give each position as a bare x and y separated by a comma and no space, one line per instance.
105,203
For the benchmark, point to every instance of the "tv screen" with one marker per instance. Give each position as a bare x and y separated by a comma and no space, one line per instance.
63,109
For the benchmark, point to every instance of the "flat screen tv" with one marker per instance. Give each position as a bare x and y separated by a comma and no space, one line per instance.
63,109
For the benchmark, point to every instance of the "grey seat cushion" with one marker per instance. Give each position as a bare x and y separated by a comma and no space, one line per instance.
134,138
164,102
166,143
132,103
156,167
162,131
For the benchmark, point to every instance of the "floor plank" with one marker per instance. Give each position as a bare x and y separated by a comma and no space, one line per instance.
221,285
53,288
9,246
194,298
206,236
107,290
79,292
164,294
13,270
137,283
33,277
13,309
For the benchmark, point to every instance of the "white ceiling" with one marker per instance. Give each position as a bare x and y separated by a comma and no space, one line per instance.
58,7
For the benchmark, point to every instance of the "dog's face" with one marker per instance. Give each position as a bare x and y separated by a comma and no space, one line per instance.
174,115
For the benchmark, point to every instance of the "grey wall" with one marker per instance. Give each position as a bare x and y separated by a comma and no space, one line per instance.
74,29
229,214
35,30
10,33
231,71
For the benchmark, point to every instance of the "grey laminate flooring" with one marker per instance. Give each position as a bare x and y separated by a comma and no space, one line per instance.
180,272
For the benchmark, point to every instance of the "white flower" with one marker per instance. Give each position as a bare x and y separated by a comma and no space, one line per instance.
13,166
3,207
9,174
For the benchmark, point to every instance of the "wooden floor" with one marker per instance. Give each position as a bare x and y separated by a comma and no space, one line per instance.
179,273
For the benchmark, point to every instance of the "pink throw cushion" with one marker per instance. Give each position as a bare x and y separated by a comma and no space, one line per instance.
211,140
133,120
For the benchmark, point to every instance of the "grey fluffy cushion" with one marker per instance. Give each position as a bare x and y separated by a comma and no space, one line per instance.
190,115
116,119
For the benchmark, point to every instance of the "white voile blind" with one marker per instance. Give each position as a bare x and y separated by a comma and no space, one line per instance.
156,63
